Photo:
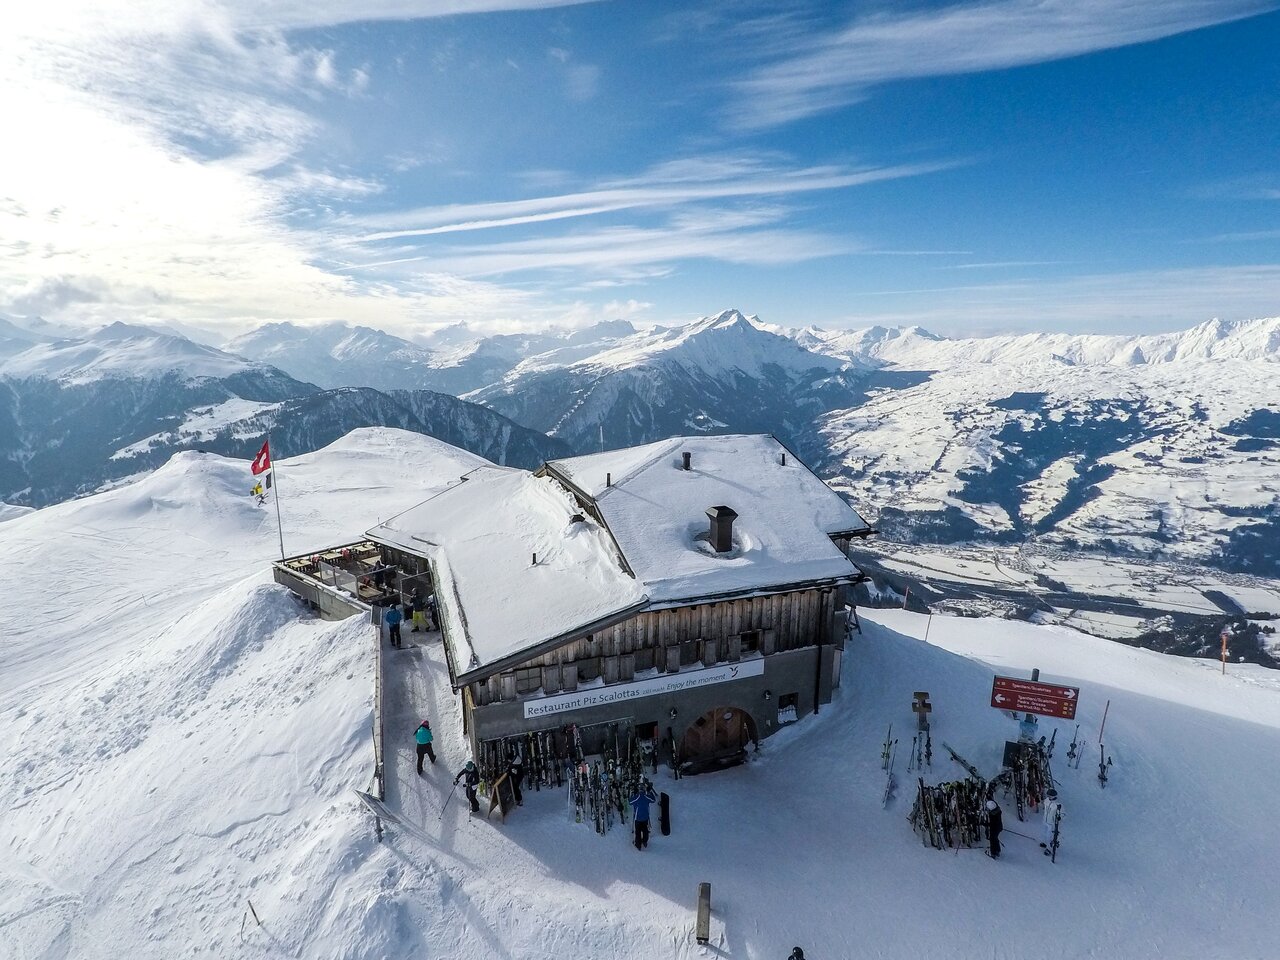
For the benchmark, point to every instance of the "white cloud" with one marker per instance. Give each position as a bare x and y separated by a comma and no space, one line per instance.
153,160
824,70
670,184
742,236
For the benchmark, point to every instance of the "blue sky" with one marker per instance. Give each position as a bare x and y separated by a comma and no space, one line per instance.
1096,165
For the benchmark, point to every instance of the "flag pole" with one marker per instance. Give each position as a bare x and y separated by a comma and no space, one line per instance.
276,478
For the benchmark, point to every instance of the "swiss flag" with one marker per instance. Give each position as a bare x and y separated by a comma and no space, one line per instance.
262,462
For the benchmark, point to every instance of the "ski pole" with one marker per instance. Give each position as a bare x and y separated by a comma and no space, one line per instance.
447,799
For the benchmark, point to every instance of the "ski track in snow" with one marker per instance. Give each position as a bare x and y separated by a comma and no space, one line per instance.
180,738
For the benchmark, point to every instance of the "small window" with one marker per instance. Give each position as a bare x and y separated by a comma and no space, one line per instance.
528,679
644,659
588,669
690,652
751,641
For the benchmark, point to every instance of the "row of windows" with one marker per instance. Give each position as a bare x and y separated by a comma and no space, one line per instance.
529,679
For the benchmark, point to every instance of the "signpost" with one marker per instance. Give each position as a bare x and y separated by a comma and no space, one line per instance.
1045,699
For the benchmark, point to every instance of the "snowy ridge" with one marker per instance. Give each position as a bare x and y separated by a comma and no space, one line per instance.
727,343
1211,340
121,351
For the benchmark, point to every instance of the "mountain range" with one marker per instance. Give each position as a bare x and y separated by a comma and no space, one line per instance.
1161,446
78,413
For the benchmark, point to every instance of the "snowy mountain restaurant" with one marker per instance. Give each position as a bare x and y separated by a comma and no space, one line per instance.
691,596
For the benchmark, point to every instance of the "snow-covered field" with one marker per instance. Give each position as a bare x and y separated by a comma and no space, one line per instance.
179,738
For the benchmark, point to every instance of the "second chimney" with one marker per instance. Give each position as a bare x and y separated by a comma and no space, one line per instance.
686,458
722,518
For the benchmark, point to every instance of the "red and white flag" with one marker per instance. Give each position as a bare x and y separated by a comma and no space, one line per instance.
262,462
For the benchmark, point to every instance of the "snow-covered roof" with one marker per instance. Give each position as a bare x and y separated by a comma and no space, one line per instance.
481,534
657,514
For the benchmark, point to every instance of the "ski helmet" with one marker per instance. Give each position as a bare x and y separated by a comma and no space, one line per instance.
471,764
991,805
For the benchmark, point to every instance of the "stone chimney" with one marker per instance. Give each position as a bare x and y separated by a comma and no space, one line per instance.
721,528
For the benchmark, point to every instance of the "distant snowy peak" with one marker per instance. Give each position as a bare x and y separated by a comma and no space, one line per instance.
719,344
122,352
1251,340
604,330
331,341
866,344
337,354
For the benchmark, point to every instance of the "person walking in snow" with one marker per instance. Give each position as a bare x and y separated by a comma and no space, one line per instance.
515,776
472,781
424,736
995,824
433,611
409,612
796,954
1052,816
640,801
419,610
392,619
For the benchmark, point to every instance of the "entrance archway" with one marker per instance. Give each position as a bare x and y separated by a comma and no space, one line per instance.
718,738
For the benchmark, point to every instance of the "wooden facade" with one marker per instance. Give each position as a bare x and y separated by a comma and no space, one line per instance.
666,640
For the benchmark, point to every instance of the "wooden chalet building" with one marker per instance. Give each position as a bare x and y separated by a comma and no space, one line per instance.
696,588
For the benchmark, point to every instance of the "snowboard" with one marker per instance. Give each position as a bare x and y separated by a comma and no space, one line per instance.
664,814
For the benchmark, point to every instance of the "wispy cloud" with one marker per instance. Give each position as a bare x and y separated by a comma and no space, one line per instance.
1244,236
669,184
832,68
752,235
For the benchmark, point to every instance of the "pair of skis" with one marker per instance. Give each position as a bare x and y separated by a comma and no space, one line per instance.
921,752
891,781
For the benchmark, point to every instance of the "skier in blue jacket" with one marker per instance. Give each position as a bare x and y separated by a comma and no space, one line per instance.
640,801
392,619
423,736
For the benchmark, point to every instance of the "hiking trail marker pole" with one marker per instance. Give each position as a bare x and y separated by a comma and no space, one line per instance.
276,483
1224,651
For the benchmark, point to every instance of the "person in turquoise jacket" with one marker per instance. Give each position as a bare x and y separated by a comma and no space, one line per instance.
424,737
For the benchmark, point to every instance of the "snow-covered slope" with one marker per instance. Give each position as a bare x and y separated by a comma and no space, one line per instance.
10,511
973,440
122,351
179,739
919,349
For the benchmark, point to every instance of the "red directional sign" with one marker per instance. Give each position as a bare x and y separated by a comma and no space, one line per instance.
1045,699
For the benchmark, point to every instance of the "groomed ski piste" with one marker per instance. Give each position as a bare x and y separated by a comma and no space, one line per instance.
179,738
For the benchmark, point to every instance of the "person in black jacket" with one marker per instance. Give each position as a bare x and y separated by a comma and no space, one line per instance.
515,776
470,783
995,823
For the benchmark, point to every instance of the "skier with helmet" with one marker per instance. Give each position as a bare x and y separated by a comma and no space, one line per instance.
472,781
